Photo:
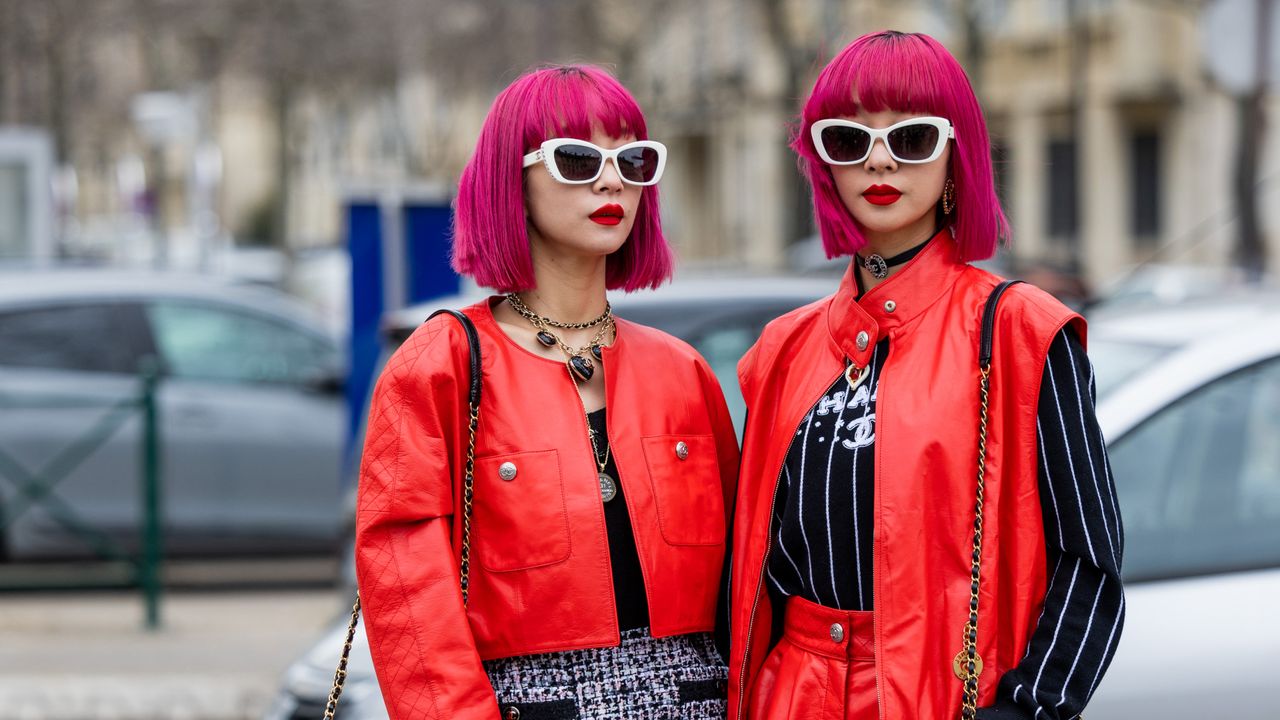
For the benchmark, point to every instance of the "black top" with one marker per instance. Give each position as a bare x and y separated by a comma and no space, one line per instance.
823,519
628,579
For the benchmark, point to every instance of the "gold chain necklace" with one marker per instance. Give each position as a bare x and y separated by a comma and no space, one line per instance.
608,486
580,369
580,365
518,305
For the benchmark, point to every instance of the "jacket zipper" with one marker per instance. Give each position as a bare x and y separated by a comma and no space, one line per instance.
743,690
875,544
595,465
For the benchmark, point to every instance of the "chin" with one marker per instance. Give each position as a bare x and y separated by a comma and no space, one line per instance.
887,220
606,242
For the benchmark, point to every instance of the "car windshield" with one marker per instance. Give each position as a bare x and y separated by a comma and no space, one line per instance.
1115,361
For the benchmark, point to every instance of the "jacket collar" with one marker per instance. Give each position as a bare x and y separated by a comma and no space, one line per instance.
857,324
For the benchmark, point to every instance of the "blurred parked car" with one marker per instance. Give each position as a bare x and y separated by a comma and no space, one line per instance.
1189,400
250,417
1155,285
1190,404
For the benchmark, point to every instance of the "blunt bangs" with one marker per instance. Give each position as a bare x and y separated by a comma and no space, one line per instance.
573,101
909,73
490,240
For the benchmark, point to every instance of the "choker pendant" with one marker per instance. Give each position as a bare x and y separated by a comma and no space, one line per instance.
608,486
546,338
877,266
597,351
581,367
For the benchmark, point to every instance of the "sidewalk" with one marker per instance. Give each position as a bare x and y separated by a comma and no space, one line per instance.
218,656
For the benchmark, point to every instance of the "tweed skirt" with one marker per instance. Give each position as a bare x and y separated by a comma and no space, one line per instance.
673,678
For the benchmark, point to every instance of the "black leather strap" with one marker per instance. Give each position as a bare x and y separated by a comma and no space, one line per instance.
989,322
473,341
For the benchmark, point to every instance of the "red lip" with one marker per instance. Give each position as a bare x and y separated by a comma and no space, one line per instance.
882,194
610,214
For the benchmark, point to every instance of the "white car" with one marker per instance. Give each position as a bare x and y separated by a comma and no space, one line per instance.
1189,401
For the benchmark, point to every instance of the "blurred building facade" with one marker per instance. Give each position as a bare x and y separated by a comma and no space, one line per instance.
1114,146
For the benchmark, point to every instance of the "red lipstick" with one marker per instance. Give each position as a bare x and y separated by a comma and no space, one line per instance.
610,214
882,194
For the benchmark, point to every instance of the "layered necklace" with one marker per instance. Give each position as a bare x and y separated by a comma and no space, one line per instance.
581,368
580,364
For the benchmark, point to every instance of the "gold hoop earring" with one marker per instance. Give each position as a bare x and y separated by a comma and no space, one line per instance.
948,197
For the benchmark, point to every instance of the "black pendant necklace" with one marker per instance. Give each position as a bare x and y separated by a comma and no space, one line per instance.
879,266
582,367
579,360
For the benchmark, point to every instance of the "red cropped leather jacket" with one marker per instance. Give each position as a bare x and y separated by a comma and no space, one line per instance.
540,576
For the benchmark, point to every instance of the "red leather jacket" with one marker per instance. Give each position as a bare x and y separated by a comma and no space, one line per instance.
926,465
540,572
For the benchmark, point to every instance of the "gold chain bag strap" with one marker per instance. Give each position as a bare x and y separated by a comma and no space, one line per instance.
468,498
967,664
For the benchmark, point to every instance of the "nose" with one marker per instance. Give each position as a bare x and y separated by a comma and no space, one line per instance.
880,160
610,180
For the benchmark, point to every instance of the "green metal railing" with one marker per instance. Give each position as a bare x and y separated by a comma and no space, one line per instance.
39,487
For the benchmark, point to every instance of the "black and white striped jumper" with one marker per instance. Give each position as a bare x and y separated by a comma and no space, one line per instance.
823,520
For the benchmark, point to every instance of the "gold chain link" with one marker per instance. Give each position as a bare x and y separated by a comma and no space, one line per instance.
968,664
518,305
340,675
544,325
468,499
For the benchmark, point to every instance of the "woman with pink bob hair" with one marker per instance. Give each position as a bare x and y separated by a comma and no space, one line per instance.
926,523
557,553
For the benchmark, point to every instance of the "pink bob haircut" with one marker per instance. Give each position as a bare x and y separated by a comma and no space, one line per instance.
490,242
910,73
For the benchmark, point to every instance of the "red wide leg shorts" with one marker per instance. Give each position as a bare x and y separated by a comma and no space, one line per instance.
823,668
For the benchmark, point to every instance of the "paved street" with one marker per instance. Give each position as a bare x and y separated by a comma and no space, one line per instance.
85,656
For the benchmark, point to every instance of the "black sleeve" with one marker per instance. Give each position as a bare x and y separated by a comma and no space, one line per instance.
1076,635
724,609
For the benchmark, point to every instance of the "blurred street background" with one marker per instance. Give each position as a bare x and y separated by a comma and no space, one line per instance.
217,217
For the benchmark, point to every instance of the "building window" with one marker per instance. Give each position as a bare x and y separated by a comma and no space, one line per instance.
1144,198
1063,218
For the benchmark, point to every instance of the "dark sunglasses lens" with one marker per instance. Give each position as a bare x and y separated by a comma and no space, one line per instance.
638,164
845,144
914,142
577,162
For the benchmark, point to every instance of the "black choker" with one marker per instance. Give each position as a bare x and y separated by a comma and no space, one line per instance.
879,266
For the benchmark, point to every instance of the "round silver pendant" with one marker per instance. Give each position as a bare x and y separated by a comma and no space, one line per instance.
876,266
608,487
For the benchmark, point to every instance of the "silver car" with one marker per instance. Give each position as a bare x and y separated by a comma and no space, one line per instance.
1189,400
250,414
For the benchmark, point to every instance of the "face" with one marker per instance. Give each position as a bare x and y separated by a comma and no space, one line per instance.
592,219
893,202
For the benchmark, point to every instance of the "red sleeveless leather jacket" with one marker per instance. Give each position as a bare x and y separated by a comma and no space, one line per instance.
925,471
540,573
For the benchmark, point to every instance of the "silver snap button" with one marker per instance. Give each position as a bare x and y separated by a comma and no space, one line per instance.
511,713
862,340
507,471
682,450
890,306
837,632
